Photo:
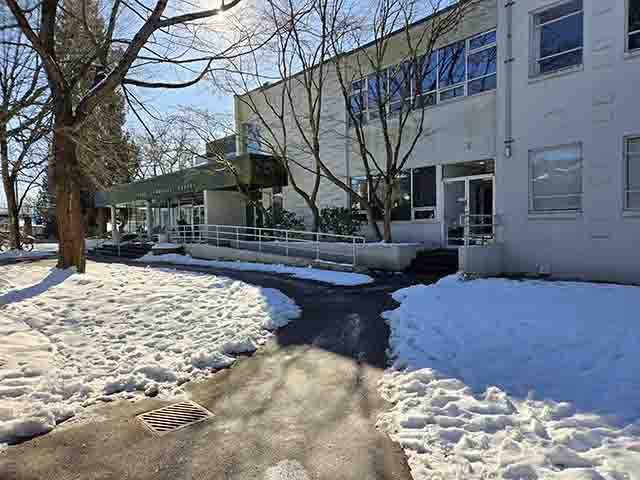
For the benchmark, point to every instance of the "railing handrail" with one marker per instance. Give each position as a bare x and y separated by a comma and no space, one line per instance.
299,232
322,245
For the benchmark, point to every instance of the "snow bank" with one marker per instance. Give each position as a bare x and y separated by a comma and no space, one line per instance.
326,276
518,380
164,246
39,250
68,340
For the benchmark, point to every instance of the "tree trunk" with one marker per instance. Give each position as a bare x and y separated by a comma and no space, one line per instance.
315,213
67,181
9,189
373,224
387,214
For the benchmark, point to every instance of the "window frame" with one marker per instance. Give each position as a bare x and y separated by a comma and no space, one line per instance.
532,196
414,209
627,29
415,81
536,39
626,187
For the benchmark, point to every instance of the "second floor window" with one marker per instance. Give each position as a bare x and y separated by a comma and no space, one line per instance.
467,67
633,27
558,38
632,174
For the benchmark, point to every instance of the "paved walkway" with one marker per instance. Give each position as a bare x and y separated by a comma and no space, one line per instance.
303,407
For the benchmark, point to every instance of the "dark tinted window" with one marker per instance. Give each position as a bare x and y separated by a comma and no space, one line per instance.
560,36
424,187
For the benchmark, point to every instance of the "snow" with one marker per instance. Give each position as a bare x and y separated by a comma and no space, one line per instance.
39,250
164,246
517,380
68,341
326,276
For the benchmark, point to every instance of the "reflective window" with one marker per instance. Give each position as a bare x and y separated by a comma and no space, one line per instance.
634,24
559,37
632,168
252,138
556,178
424,187
482,63
361,187
413,196
452,63
424,82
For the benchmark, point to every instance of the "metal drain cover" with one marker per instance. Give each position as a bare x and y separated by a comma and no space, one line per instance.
174,417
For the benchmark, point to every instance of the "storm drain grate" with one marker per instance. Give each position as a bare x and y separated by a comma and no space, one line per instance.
173,417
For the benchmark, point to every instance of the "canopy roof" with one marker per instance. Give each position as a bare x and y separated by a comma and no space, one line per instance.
250,169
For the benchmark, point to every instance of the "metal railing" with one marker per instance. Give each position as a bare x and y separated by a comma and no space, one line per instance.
318,246
479,229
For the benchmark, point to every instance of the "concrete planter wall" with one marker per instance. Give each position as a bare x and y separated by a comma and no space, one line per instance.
375,256
388,256
484,260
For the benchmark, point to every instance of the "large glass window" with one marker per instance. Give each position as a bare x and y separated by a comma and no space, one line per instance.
633,27
556,178
424,193
632,174
482,63
452,64
413,196
252,138
558,37
361,187
463,68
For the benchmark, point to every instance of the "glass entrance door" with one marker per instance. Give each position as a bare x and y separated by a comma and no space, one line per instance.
468,210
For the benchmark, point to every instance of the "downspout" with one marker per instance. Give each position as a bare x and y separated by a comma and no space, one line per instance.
508,82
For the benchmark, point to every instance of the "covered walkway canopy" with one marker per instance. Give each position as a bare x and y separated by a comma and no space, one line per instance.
154,205
250,169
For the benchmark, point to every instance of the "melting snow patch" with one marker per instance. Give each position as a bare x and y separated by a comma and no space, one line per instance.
326,276
68,340
516,380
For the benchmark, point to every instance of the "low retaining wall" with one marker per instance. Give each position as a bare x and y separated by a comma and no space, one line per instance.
388,256
374,256
484,260
211,252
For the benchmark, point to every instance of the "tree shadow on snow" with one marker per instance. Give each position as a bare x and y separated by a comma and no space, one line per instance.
53,278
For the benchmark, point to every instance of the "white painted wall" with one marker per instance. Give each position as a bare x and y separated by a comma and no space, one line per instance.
596,105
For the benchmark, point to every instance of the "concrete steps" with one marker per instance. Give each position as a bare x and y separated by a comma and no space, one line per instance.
439,262
128,250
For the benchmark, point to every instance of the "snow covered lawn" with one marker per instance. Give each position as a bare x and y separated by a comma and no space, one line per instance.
518,380
39,250
325,276
69,340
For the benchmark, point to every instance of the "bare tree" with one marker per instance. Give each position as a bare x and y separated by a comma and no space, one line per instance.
166,145
396,96
324,48
24,121
149,34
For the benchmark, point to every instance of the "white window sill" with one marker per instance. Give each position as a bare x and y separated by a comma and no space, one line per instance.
560,215
556,74
631,213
